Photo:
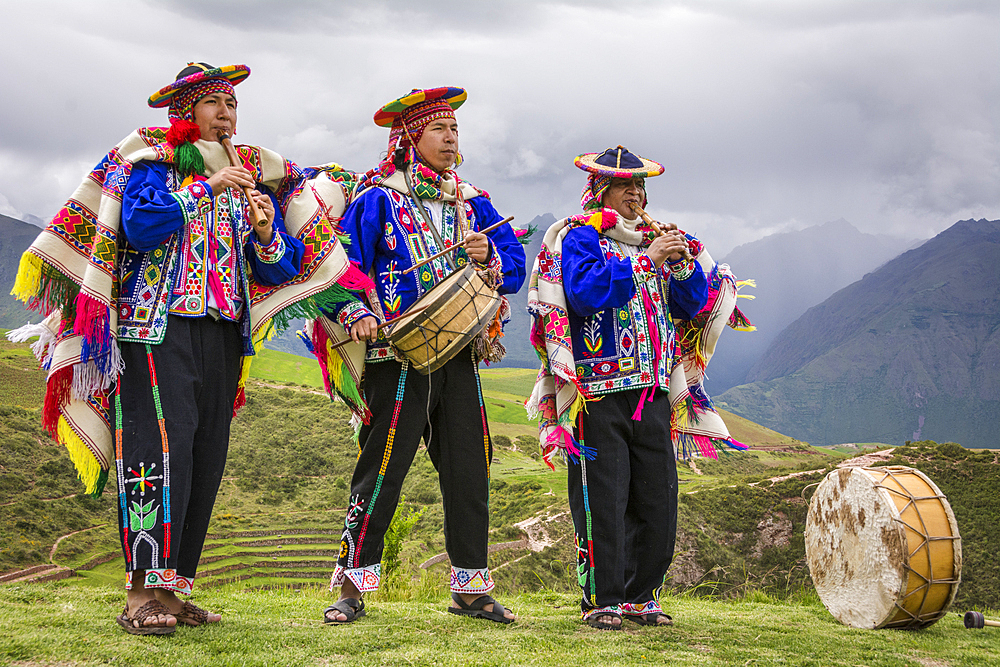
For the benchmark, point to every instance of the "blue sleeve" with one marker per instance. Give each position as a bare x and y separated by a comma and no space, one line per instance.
281,260
688,296
504,243
362,224
150,211
593,282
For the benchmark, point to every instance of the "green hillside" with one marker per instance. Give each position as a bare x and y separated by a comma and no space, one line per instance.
278,516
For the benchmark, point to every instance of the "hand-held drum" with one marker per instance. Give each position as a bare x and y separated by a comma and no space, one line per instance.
883,547
457,309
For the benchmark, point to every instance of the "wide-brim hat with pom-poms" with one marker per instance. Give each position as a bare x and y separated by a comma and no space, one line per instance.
192,83
618,163
417,99
196,73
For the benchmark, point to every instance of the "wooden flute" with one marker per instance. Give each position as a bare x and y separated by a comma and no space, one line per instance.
660,231
257,217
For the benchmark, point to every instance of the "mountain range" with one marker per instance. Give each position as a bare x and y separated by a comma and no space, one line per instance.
909,352
793,271
15,237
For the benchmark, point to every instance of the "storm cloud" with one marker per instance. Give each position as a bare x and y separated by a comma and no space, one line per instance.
769,116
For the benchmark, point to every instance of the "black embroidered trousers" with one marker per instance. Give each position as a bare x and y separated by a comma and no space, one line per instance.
172,411
624,501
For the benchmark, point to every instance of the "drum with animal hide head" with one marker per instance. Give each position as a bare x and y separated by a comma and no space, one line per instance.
883,547
445,320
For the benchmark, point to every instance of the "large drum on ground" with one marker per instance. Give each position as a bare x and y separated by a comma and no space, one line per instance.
457,309
883,547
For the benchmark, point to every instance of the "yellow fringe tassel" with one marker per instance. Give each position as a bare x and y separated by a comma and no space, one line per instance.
264,334
746,296
579,403
749,328
681,414
749,282
28,282
87,466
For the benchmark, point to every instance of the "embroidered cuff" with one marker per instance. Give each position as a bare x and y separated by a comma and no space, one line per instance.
365,579
682,269
493,260
351,313
195,199
471,581
641,609
643,267
273,252
163,578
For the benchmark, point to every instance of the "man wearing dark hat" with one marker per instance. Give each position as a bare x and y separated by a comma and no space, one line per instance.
605,291
412,206
153,268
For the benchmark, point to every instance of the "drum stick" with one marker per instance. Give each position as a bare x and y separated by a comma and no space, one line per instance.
976,620
257,217
414,311
660,231
454,247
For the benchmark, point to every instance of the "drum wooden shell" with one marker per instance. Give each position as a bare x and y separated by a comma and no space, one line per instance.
458,308
883,547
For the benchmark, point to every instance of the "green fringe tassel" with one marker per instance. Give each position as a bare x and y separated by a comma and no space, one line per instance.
310,308
102,480
188,160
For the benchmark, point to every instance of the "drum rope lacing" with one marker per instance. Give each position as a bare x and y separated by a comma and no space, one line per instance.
920,616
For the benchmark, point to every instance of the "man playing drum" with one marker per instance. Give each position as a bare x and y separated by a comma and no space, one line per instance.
605,290
411,206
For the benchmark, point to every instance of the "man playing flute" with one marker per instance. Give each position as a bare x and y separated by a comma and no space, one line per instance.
411,206
148,276
605,292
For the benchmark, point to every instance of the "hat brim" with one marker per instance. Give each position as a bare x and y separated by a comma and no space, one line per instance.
164,96
455,97
588,162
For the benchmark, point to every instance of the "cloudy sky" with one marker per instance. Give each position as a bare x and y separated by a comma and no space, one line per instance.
769,115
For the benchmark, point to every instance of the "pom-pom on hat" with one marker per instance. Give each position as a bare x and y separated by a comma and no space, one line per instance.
196,73
618,163
454,97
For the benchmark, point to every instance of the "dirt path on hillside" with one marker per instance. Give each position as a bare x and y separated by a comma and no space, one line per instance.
52,551
296,388
44,500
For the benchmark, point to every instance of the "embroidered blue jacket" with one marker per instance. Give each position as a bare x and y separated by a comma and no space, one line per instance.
609,315
168,232
388,236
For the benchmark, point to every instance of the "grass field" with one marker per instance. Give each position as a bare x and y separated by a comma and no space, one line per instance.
61,624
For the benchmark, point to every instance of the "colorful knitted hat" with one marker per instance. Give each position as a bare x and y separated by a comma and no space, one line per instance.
193,82
409,115
195,73
618,163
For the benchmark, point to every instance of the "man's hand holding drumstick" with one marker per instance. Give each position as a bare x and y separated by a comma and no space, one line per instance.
477,246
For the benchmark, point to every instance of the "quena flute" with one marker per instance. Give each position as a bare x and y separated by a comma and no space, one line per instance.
660,231
257,217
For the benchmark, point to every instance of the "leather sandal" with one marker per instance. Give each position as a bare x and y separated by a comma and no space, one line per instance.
475,609
651,618
191,614
151,608
352,608
601,618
